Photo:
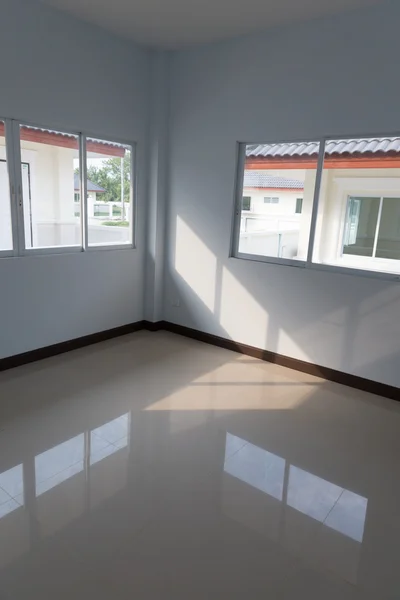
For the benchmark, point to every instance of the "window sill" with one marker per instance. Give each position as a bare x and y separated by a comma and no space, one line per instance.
376,266
128,246
339,267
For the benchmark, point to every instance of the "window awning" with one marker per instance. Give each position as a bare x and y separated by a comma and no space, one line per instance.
64,140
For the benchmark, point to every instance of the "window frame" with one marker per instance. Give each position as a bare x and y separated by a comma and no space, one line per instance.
309,262
10,161
370,259
23,250
13,157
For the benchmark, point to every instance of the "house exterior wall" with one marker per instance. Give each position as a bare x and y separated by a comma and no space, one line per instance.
286,205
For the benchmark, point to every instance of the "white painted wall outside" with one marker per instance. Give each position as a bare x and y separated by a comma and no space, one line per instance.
285,206
325,318
269,228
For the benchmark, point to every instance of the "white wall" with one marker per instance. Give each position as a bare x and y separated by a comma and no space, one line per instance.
324,77
285,206
63,74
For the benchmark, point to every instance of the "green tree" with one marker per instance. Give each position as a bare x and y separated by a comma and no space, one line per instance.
108,176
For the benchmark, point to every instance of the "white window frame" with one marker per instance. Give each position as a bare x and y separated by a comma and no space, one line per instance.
235,238
386,263
13,157
8,132
22,249
309,263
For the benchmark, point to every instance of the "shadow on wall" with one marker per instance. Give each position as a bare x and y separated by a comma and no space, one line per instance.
294,312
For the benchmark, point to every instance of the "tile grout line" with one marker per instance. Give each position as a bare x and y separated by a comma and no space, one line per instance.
9,497
341,494
238,450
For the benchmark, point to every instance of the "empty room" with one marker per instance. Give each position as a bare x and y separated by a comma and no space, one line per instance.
199,300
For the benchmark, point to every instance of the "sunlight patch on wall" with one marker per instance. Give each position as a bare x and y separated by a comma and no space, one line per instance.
242,317
285,344
195,263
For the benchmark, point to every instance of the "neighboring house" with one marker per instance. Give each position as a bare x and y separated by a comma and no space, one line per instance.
92,189
265,196
359,203
95,205
49,183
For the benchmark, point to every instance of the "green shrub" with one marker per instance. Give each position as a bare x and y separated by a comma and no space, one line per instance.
116,223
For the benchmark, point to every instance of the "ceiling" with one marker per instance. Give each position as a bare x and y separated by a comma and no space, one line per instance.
179,23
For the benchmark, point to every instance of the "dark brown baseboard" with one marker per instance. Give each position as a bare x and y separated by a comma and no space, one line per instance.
153,326
87,340
360,383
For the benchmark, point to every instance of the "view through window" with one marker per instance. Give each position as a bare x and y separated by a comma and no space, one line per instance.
109,190
48,188
359,205
358,219
279,181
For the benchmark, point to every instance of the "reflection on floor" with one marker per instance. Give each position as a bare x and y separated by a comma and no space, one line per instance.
242,479
61,463
326,502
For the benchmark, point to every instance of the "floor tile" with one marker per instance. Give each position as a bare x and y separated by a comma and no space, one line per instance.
154,466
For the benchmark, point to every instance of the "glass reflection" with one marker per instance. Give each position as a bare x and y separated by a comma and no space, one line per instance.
348,515
310,494
109,438
71,460
335,507
59,463
255,466
11,490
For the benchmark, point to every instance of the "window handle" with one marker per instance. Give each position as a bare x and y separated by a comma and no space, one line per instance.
20,196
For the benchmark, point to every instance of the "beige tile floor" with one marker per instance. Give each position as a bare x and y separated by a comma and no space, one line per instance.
156,467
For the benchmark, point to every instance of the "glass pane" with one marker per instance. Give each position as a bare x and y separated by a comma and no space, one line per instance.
360,227
357,174
50,180
6,242
279,179
246,204
109,193
388,245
